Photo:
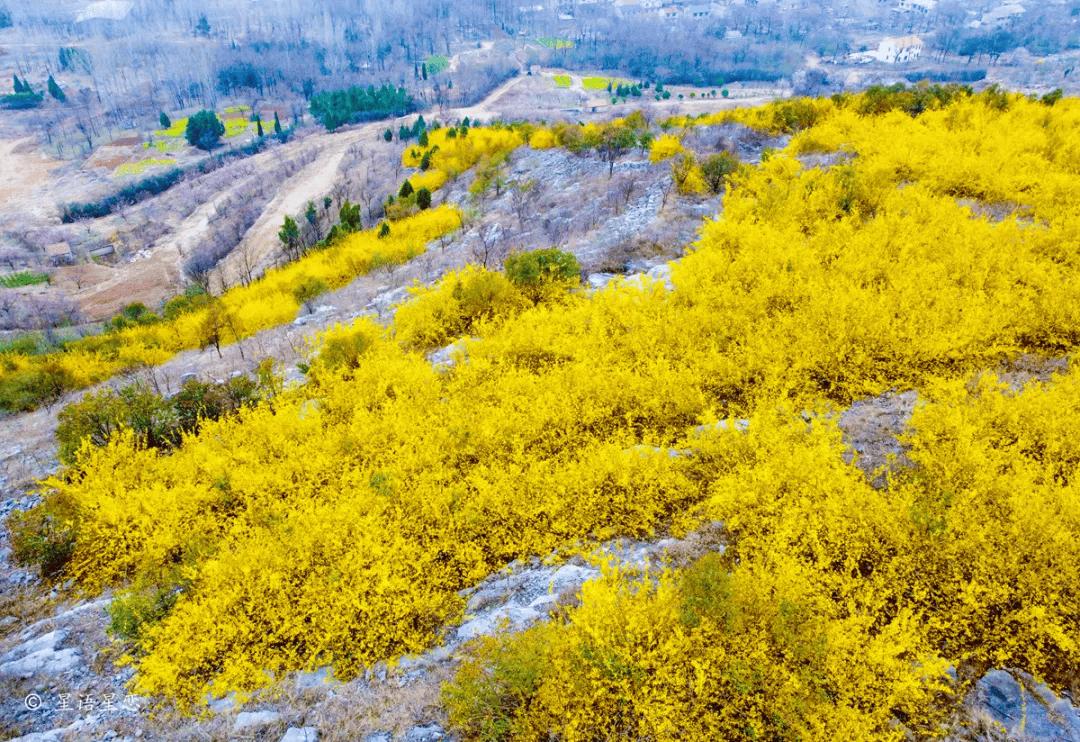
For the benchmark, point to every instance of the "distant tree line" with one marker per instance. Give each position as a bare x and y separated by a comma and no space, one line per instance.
338,107
23,96
946,75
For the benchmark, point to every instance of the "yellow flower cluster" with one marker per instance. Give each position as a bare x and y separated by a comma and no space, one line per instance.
665,147
138,168
836,608
242,311
599,83
178,128
237,126
164,145
337,524
456,155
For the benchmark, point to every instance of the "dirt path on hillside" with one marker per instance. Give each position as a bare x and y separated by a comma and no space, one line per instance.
260,243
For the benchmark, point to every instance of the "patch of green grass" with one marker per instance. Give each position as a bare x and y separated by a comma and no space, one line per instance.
597,83
23,278
562,81
436,63
552,43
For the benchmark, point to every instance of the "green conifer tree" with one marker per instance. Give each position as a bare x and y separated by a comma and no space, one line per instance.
55,91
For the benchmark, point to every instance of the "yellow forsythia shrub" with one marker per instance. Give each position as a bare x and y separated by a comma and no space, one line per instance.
542,139
665,147
460,302
243,310
337,524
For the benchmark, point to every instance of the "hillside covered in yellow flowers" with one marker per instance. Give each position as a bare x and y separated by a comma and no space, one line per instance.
336,522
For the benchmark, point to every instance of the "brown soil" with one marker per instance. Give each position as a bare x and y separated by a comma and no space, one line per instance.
23,174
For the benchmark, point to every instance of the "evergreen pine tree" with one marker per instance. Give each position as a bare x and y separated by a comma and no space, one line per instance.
18,85
277,124
423,70
258,125
55,91
165,121
388,135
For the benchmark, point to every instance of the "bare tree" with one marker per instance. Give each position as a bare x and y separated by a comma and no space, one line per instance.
79,273
489,249
11,256
523,195
556,229
200,266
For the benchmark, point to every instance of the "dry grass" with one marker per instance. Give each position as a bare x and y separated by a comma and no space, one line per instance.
27,604
706,539
360,709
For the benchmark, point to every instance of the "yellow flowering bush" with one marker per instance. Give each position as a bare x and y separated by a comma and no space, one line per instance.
138,168
338,524
241,311
665,147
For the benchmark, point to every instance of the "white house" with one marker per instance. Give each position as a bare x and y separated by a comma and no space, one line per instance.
109,10
917,6
697,11
628,8
1003,14
899,50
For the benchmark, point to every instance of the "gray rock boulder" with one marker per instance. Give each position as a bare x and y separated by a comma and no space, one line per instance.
511,615
53,735
323,677
600,280
40,655
662,273
1028,710
443,358
301,734
389,300
738,424
253,720
430,733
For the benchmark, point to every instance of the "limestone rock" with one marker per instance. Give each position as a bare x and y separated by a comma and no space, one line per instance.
515,616
53,735
738,424
662,273
39,655
252,720
389,300
1028,710
600,280
301,734
431,733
